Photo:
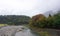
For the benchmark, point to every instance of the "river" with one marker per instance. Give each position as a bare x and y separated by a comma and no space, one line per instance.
16,31
24,31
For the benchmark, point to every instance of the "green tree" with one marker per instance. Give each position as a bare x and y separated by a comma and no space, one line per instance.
50,21
57,20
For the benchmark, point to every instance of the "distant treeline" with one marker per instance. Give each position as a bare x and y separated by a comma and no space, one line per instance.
14,19
41,21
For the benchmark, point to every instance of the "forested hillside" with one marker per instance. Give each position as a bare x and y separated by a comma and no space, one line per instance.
14,19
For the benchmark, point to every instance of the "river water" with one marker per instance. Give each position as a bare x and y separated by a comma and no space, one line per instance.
16,31
24,31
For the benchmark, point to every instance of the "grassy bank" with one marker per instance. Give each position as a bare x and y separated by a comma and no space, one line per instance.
3,25
45,31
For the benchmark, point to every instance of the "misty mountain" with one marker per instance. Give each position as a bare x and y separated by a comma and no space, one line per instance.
51,12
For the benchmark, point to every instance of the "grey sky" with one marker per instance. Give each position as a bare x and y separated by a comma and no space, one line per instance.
27,7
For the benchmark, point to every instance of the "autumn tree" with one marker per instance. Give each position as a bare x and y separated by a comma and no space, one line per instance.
38,21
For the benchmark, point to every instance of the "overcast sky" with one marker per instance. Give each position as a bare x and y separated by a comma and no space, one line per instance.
27,7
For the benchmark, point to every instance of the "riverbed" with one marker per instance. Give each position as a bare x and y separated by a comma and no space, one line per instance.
16,31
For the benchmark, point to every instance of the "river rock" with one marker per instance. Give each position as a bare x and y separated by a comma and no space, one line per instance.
10,30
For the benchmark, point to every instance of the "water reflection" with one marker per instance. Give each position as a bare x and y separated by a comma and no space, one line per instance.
25,32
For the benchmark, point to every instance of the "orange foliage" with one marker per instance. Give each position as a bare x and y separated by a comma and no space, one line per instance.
38,17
